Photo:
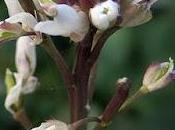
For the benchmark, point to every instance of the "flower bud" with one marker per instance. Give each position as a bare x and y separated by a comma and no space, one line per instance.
158,75
104,14
52,125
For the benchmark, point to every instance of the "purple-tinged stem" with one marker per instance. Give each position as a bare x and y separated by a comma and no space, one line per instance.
114,105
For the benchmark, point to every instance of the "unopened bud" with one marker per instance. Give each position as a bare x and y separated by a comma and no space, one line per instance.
104,15
158,75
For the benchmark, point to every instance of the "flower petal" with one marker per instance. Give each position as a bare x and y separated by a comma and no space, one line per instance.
13,7
26,19
51,28
30,85
25,57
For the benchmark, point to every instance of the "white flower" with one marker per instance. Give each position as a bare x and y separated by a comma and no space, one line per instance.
158,75
68,22
104,14
24,82
52,125
25,64
146,3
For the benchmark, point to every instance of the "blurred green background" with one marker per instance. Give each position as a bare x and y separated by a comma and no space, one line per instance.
127,53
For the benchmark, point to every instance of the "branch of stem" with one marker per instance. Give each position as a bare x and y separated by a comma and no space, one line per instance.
66,73
81,74
99,45
117,100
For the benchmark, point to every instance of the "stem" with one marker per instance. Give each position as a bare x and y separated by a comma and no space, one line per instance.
142,91
66,73
51,49
112,108
91,82
22,118
99,45
85,61
81,74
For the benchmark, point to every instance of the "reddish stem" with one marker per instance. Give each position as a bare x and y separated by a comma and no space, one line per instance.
81,74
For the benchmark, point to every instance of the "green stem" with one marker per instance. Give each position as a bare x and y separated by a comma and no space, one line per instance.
142,91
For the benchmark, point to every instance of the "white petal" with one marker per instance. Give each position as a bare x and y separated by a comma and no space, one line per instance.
113,9
100,21
67,17
26,19
30,86
13,6
25,56
51,28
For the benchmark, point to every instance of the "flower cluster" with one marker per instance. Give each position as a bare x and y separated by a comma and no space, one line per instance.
77,20
72,19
